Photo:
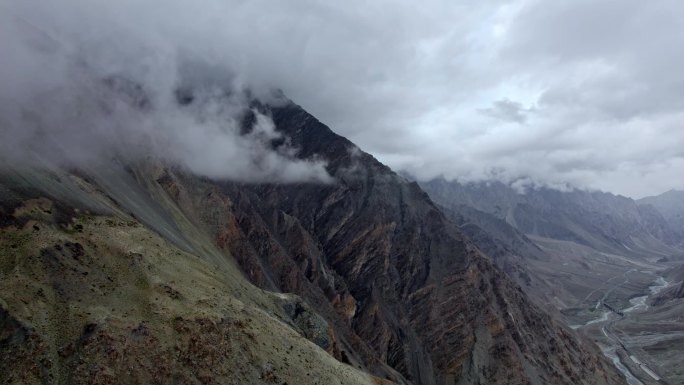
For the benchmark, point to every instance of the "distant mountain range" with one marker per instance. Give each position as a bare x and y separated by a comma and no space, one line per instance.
648,228
671,206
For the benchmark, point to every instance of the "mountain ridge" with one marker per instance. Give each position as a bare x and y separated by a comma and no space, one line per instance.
405,296
670,205
604,221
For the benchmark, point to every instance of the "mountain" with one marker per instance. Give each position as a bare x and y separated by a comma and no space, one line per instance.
138,272
564,245
610,266
602,221
511,250
675,290
505,239
670,205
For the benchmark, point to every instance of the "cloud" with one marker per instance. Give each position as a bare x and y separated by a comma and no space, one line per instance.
78,93
583,92
507,111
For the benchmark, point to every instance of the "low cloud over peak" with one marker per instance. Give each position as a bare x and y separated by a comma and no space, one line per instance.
77,98
572,91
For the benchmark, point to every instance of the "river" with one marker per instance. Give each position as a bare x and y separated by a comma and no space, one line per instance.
639,303
608,318
611,353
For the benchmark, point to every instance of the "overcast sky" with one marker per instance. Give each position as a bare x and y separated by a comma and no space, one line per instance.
585,92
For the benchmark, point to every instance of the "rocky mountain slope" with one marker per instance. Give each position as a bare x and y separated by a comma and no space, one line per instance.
512,251
129,273
91,295
602,221
671,206
675,290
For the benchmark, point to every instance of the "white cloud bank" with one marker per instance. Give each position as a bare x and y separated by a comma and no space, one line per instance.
85,81
586,92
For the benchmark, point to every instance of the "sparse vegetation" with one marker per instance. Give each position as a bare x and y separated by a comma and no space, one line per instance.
108,298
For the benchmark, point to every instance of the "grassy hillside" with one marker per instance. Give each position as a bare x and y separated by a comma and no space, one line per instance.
90,295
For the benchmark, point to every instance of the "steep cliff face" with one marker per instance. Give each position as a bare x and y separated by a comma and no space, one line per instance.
408,296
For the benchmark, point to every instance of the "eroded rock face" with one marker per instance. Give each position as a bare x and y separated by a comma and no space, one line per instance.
405,294
312,325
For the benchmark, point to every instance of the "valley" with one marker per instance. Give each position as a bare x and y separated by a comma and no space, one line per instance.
628,358
608,267
613,313
610,298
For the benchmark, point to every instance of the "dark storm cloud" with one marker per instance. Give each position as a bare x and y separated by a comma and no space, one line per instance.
539,92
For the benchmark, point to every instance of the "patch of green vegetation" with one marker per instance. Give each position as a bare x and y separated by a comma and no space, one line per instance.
12,245
14,239
141,281
85,216
79,223
121,223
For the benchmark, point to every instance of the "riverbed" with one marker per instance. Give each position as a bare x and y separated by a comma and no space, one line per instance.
612,341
